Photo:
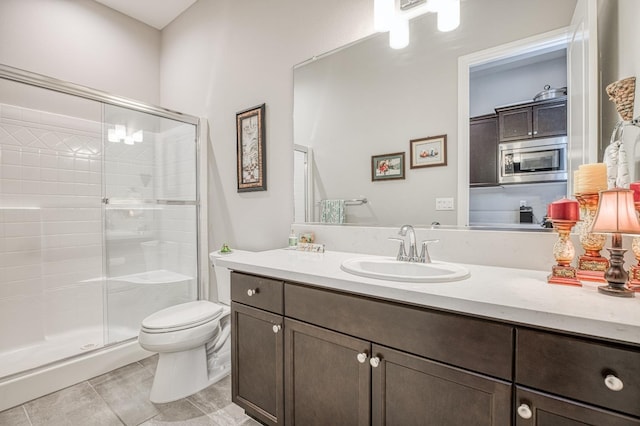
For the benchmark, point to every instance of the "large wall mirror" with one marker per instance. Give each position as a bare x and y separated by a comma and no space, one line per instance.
366,100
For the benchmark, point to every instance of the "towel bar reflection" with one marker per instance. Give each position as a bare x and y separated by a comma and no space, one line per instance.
352,202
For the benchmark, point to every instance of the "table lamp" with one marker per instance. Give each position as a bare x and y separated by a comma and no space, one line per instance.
616,215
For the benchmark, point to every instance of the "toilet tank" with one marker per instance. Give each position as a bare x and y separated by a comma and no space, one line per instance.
223,275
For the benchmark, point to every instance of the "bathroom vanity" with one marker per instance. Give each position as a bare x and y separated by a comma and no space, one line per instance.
313,345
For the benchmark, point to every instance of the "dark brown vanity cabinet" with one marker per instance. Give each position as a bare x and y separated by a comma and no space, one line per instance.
576,381
257,369
532,120
543,409
335,379
483,150
332,377
304,355
327,377
411,390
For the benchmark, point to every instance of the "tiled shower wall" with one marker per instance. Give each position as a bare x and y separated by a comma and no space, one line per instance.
51,255
50,227
177,181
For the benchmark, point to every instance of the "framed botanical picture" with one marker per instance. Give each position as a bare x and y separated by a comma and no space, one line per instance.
428,152
387,166
252,154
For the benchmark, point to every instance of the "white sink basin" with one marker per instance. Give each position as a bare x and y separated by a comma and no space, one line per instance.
393,270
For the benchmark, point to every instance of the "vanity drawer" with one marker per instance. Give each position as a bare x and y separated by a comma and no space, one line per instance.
475,344
259,292
577,368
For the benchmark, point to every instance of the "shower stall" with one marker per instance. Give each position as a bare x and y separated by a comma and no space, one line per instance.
99,224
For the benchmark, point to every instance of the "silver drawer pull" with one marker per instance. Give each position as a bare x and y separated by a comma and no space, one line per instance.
375,361
276,328
524,411
613,383
252,291
362,357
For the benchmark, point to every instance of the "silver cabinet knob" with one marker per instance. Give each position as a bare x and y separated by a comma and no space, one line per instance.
528,133
251,291
362,357
276,328
524,411
374,361
535,133
613,383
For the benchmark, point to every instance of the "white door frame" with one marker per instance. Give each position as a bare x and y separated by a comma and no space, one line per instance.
551,39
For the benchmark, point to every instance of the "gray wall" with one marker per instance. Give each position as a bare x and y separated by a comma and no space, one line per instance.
223,56
83,42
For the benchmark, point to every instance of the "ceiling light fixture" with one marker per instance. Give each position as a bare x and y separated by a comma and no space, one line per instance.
394,16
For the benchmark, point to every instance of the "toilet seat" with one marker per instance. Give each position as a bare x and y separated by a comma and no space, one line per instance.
182,317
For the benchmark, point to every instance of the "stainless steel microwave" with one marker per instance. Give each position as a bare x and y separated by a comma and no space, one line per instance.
533,160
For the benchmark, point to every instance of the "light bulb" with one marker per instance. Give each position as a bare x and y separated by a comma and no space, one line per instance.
383,12
399,34
449,15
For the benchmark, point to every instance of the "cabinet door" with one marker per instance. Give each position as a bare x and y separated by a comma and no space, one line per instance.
483,151
257,363
515,124
327,383
550,120
409,390
535,408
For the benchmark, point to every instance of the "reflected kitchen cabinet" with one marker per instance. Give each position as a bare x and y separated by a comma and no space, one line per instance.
532,120
483,150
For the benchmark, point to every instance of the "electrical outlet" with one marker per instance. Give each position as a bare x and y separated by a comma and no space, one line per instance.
444,204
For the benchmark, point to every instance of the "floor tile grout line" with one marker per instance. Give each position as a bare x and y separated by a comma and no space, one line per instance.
106,403
26,413
194,405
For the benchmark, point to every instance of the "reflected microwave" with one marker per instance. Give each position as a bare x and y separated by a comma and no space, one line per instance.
533,160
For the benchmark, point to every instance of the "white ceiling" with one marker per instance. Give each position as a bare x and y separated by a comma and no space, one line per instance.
156,13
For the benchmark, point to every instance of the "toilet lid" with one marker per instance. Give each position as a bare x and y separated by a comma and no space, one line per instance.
184,315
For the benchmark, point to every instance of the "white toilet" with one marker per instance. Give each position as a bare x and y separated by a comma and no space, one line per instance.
192,340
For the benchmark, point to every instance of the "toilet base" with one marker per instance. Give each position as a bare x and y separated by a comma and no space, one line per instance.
179,374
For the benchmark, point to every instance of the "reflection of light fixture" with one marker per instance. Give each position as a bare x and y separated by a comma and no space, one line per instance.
449,16
119,134
399,34
394,16
616,215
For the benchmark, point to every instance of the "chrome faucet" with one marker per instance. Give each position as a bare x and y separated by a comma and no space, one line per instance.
412,256
413,250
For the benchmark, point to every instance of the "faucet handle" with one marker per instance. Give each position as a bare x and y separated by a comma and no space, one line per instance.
402,254
424,254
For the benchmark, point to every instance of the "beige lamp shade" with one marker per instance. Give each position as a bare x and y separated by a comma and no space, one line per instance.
616,213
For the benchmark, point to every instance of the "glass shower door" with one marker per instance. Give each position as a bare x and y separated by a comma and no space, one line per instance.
151,218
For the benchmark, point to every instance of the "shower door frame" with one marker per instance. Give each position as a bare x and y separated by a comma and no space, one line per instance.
50,83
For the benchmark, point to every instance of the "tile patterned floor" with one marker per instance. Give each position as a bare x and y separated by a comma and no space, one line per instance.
121,397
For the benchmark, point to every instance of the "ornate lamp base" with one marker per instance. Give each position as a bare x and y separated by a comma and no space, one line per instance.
565,275
591,265
616,291
616,276
592,268
634,278
563,250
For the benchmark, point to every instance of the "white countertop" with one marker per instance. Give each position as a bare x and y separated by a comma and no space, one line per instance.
515,295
